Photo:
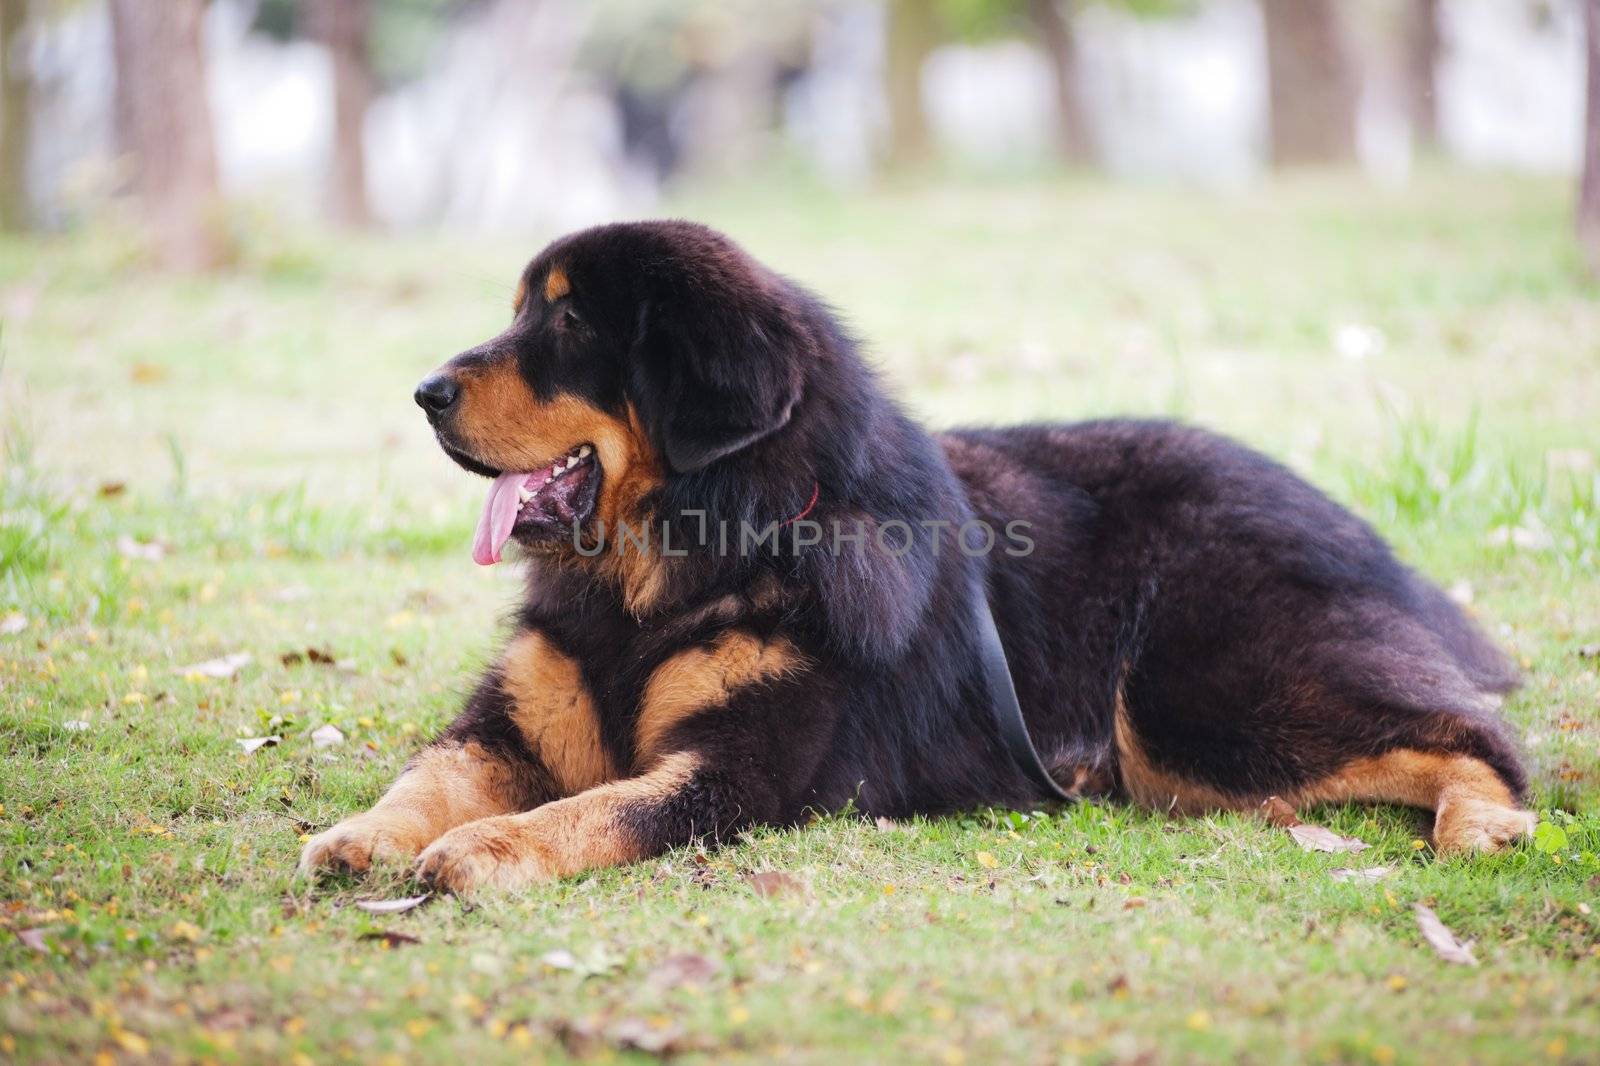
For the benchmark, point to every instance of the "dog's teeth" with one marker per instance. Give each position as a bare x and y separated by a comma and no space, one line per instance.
549,479
572,461
583,452
524,494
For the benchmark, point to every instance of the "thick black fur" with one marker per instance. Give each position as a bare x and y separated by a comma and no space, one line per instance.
1262,636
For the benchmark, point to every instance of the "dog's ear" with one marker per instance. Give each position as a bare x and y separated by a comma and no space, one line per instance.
714,373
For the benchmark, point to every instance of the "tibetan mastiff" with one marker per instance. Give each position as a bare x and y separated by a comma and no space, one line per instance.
756,589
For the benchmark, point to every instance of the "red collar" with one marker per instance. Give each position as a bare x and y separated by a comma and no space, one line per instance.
816,490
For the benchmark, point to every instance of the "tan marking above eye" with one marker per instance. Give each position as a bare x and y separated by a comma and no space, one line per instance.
556,285
554,712
702,678
521,297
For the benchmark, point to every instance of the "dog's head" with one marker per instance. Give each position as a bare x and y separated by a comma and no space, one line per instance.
637,353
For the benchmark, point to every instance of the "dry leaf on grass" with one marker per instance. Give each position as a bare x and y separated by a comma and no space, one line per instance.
1369,875
327,736
772,883
254,744
886,825
596,961
1309,837
1443,942
319,656
1317,838
34,939
560,959
221,667
152,552
391,938
393,906
655,1037
685,968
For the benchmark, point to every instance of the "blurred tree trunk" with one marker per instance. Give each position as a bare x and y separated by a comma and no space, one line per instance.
912,33
16,117
1312,85
164,120
345,26
1589,189
1422,72
1054,27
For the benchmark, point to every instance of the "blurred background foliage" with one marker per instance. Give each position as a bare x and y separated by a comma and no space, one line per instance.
529,116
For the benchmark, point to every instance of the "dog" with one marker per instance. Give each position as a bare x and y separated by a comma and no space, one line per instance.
755,591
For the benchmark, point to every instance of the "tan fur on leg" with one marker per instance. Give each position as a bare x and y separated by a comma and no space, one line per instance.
1474,810
701,678
556,840
443,787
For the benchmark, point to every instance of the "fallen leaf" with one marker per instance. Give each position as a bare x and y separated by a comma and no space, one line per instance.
1317,838
391,938
656,1037
147,373
770,884
151,552
113,488
15,622
886,825
987,861
133,1043
34,938
686,968
1279,813
251,744
327,737
1369,875
313,655
1440,938
393,906
1309,837
596,961
224,666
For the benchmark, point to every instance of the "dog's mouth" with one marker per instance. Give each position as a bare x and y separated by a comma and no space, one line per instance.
552,501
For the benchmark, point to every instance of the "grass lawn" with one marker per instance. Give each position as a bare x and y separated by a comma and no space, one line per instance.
197,468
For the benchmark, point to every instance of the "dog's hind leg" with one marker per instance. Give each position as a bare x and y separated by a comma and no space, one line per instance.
1441,761
1474,809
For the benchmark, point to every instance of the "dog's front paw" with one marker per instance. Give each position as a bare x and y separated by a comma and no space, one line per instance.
496,853
356,843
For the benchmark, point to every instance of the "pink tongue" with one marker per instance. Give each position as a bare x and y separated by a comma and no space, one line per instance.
499,515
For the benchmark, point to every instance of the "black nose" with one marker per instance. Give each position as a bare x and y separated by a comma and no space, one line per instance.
436,394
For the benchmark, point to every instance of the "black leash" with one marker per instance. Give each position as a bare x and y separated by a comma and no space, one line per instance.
1003,701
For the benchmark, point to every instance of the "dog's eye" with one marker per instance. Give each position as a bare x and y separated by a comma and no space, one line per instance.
569,317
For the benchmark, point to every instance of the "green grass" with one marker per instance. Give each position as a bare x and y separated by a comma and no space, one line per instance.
260,429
